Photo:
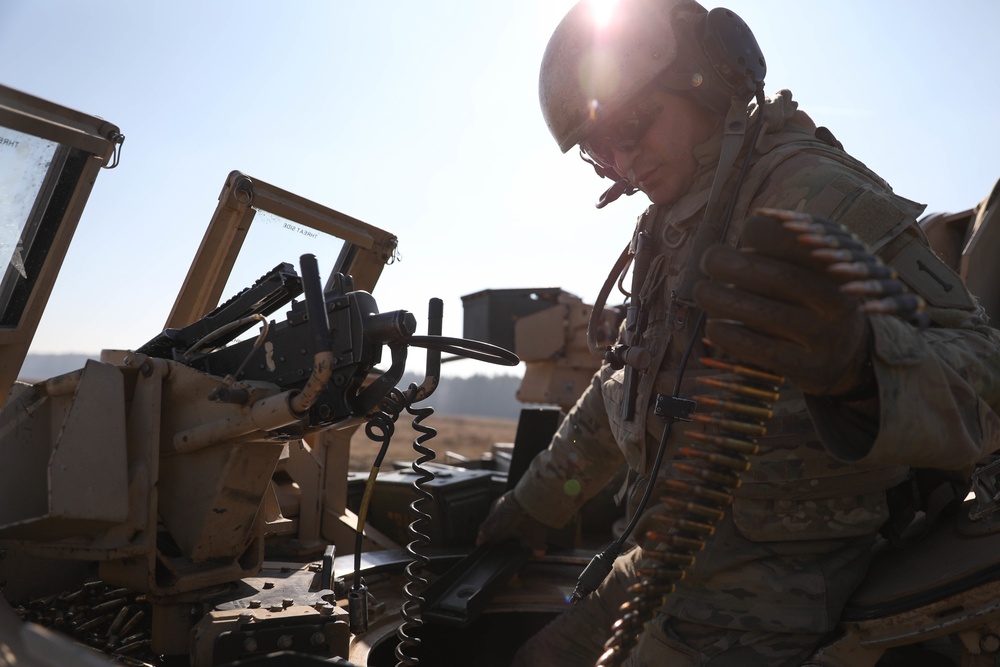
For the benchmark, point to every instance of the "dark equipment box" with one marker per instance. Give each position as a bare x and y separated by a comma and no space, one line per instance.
460,500
490,315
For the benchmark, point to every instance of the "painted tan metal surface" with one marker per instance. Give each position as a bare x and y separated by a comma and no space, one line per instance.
76,134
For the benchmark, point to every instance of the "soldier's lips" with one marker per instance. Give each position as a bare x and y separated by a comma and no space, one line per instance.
647,180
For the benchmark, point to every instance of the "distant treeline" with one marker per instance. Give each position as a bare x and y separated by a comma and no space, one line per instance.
44,366
478,395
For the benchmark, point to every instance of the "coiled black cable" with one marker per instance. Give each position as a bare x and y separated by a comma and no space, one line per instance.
382,407
379,427
416,583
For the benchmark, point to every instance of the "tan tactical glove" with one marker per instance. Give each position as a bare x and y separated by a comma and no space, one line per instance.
508,520
794,301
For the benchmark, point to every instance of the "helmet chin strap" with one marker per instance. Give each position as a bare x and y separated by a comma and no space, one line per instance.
621,186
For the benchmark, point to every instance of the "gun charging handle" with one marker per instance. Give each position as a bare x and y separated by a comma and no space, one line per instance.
319,323
435,316
312,288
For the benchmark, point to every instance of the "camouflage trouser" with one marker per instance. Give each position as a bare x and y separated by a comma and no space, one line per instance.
576,637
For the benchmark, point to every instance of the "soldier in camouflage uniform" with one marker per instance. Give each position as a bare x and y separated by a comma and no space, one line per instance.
871,395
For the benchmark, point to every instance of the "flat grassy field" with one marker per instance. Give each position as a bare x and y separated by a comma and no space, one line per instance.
462,435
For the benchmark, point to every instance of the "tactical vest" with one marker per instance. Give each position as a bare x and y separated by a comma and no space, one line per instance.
793,468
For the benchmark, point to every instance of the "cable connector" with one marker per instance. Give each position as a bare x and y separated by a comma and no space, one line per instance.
357,609
596,572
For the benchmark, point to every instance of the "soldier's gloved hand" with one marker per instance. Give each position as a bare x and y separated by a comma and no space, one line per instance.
794,301
507,519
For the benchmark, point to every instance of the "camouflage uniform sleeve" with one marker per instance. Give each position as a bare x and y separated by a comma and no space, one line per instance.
581,459
939,387
938,397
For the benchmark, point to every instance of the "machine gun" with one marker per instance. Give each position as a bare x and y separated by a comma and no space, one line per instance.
146,479
338,334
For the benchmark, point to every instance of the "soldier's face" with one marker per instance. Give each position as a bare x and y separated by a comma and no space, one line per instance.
661,161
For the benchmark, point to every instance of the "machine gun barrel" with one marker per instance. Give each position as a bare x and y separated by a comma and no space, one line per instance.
267,414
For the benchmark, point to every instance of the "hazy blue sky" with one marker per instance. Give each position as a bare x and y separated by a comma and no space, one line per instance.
422,118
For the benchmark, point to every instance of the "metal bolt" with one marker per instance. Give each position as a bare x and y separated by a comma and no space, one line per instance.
317,639
116,593
249,644
285,641
119,622
287,602
254,604
131,623
246,618
989,643
132,639
268,585
94,623
129,647
110,604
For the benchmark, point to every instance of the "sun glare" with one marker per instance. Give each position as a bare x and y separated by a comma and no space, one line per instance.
603,9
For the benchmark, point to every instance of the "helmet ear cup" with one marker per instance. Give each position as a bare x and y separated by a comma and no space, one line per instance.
734,56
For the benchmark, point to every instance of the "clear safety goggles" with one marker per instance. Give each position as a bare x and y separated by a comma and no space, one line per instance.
622,132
